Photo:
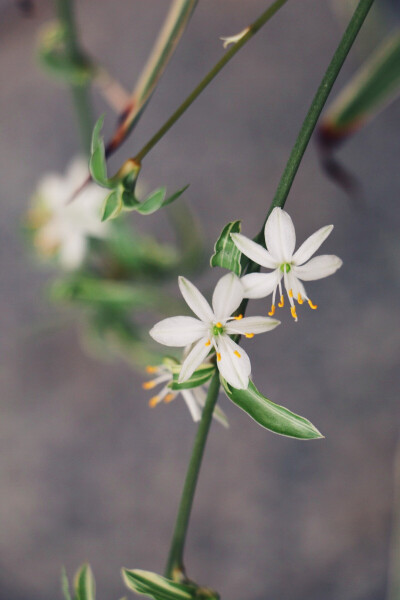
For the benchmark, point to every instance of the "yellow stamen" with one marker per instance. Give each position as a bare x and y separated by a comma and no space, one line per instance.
281,302
218,356
238,317
311,305
291,293
154,401
169,397
237,354
293,311
249,335
208,343
299,298
272,311
218,324
148,385
151,369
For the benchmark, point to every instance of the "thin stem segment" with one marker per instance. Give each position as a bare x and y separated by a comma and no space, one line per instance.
175,568
251,31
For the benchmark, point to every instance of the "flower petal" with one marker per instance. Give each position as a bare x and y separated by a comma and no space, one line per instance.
280,236
218,413
195,357
318,267
178,331
195,300
252,325
235,368
72,251
296,286
192,405
227,296
254,251
311,245
259,285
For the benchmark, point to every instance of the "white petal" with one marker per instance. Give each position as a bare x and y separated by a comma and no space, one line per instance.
195,300
227,296
72,252
194,359
296,286
259,285
318,267
311,245
192,405
254,251
280,236
178,331
235,369
218,413
252,325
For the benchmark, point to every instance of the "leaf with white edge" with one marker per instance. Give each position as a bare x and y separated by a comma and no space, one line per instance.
97,161
152,202
84,584
65,584
175,196
226,254
269,415
157,587
112,205
199,377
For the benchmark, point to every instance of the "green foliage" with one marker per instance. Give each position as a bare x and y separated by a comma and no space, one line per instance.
84,584
152,203
269,415
97,161
112,205
226,254
199,377
65,585
154,586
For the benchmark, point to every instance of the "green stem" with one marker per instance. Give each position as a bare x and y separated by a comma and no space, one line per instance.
175,568
80,93
251,31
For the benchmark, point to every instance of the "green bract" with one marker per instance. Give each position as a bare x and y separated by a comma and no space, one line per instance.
154,586
226,254
199,377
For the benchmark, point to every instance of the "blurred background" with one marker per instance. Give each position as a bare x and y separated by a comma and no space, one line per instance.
87,470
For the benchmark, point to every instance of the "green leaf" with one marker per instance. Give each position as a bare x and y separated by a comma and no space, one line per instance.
372,88
112,205
84,584
199,377
153,202
226,254
97,161
269,415
175,196
157,587
65,585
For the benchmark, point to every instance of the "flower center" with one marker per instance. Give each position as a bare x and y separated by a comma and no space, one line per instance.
285,267
218,329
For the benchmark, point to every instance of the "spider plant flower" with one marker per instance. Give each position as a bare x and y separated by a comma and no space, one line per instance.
289,266
195,398
212,329
62,228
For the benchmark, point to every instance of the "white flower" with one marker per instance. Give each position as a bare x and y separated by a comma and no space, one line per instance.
62,227
212,330
292,267
195,398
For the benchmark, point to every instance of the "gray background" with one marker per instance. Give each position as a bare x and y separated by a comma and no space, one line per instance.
87,471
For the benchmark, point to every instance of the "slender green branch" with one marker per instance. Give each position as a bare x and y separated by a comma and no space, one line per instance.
251,31
80,93
175,568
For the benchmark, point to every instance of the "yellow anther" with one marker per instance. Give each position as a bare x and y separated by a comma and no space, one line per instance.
148,385
293,311
281,302
299,298
272,311
208,343
151,369
249,335
238,317
218,356
311,305
237,354
154,401
218,324
291,293
169,398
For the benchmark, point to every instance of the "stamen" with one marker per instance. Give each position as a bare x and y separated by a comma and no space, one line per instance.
169,397
311,305
148,385
218,324
154,401
290,292
218,356
249,335
237,354
281,303
151,369
208,343
238,317
293,311
299,298
272,311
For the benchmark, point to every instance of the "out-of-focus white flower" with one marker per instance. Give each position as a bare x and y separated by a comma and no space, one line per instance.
212,330
62,228
280,240
195,398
